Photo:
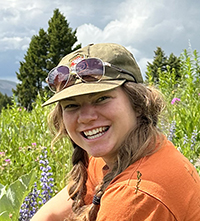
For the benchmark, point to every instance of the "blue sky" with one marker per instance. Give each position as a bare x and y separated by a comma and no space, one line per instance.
141,26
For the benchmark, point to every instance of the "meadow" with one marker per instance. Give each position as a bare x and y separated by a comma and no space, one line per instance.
29,165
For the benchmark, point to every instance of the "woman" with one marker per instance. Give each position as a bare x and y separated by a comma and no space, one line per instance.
124,168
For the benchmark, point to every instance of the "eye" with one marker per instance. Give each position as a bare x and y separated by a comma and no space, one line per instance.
102,99
69,107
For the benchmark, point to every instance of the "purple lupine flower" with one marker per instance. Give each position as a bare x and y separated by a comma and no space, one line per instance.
30,205
46,179
193,139
175,100
172,130
185,139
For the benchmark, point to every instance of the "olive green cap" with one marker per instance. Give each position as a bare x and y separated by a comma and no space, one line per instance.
111,53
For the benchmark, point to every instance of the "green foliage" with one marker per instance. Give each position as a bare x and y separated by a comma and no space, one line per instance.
12,197
23,135
4,101
32,71
183,105
162,64
45,51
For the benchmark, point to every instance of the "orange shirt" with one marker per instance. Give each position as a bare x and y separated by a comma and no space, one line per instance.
169,189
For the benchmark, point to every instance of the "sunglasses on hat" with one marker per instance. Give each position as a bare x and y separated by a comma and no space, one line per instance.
87,70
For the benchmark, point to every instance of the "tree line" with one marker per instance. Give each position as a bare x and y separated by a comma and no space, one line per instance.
46,50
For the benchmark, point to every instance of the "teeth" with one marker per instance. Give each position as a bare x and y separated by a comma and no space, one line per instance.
91,134
94,136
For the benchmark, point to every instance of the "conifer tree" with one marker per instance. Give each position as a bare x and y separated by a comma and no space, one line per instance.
162,64
61,39
44,52
32,71
159,64
174,63
4,101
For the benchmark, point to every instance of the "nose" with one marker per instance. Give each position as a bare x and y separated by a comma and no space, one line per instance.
87,113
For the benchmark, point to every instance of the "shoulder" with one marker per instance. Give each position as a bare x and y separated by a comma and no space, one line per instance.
166,177
121,202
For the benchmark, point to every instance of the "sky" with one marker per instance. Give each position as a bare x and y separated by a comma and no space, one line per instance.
139,25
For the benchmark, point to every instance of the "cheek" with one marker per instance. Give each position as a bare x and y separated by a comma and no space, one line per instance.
68,122
71,127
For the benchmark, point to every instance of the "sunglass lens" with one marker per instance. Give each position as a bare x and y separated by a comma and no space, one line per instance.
90,69
58,78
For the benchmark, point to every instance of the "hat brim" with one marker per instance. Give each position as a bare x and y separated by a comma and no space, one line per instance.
84,88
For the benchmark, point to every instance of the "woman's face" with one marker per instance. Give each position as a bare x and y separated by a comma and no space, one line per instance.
99,122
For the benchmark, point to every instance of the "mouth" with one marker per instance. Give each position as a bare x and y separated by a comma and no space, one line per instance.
95,133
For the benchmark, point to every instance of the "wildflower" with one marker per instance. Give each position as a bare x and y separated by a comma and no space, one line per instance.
185,139
7,160
199,94
162,125
46,179
197,163
2,153
175,100
30,205
172,130
34,144
191,161
193,139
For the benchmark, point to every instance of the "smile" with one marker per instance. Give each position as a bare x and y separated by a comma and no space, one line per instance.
97,132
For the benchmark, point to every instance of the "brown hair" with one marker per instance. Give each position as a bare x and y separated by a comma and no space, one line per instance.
148,103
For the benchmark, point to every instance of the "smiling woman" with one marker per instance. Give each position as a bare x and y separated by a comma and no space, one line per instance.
124,168
97,123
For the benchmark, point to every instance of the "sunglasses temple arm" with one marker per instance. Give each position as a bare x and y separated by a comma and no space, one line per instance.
121,70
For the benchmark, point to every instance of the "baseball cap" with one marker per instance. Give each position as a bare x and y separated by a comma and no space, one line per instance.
111,53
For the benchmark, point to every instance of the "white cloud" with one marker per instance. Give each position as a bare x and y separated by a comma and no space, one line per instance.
140,26
10,43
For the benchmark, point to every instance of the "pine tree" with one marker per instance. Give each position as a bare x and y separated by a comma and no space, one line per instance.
61,39
32,71
4,101
44,52
174,63
159,64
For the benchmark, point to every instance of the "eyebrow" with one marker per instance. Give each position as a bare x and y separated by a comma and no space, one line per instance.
91,95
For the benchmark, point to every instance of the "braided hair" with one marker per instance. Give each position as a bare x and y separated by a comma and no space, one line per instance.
148,103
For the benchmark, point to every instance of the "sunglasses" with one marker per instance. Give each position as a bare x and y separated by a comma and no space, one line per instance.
87,70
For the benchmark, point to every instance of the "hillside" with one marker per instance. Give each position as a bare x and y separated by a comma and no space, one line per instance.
7,86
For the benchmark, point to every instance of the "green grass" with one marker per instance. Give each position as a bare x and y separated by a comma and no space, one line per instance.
185,111
23,135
